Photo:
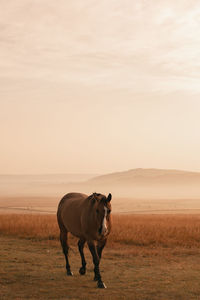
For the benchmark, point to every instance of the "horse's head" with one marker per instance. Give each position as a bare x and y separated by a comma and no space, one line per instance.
102,211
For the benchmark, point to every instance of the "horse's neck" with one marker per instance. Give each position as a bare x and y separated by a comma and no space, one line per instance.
92,219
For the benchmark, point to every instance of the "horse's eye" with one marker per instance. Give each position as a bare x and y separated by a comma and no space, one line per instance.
108,211
97,211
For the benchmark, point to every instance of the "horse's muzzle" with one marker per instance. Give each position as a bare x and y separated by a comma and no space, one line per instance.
103,231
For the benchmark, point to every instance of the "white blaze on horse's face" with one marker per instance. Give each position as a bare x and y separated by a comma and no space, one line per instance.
104,224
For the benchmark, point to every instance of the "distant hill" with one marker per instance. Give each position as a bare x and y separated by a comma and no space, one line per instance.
134,183
148,183
148,176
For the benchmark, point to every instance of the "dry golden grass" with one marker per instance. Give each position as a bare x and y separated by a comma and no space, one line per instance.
149,231
29,226
157,230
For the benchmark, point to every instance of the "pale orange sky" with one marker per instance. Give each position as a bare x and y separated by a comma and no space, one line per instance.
99,86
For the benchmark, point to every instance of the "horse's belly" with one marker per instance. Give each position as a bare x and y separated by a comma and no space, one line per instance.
73,224
78,234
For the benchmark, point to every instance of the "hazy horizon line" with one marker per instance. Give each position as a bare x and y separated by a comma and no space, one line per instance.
97,173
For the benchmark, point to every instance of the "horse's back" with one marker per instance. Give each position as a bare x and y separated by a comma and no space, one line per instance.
69,212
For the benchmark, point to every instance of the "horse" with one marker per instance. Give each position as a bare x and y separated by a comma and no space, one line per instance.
89,219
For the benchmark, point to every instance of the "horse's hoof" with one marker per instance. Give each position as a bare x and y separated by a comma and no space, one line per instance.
82,271
69,273
101,285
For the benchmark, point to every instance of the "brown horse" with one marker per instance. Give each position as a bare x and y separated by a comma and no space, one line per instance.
87,218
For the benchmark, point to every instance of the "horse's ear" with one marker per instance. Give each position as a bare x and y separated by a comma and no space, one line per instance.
94,198
109,198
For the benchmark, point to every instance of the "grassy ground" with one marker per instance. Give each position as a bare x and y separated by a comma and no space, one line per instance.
144,259
35,270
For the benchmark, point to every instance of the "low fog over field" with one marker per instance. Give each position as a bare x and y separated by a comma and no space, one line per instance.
135,190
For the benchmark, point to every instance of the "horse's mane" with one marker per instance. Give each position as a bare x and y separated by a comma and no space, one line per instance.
96,196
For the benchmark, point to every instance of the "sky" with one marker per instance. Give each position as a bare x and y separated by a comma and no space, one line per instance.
99,86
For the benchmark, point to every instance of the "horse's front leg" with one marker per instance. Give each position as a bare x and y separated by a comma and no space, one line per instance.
100,246
81,244
96,261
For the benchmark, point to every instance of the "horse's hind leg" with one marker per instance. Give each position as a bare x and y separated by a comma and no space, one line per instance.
81,244
65,247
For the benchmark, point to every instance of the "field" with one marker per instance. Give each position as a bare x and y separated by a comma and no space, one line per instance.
40,204
147,257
